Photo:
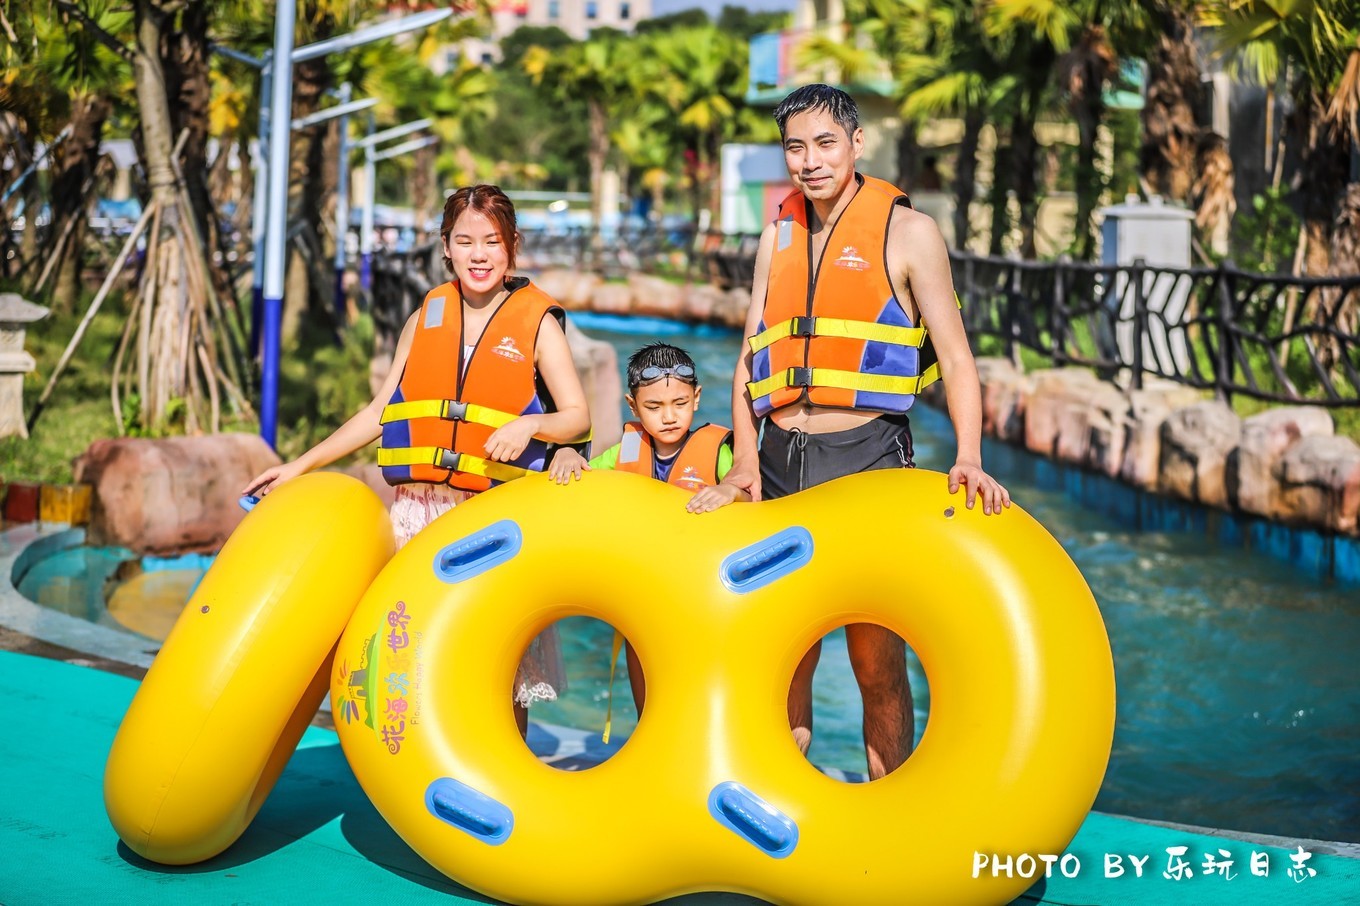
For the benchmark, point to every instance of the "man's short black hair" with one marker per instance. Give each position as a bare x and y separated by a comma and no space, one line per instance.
840,105
658,355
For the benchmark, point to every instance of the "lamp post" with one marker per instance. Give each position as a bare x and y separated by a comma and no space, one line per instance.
343,111
285,55
370,186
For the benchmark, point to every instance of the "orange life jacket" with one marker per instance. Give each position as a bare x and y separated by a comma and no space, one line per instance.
696,462
843,340
436,426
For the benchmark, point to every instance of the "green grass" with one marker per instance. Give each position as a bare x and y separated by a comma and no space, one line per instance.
321,385
79,411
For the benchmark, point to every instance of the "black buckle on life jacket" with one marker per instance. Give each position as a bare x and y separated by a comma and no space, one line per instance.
803,327
449,460
454,411
800,377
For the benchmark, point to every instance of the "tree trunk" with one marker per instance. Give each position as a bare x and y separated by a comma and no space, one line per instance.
1003,175
1324,170
907,153
1175,93
422,189
308,289
73,187
1088,112
596,153
965,175
184,58
1026,153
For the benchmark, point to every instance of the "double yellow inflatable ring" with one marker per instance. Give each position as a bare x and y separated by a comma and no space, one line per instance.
244,670
710,792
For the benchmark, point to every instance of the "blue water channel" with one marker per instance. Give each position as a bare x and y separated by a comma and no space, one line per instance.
1238,705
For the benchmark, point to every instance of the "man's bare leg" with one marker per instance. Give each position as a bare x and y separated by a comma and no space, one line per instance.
800,698
635,679
521,720
879,658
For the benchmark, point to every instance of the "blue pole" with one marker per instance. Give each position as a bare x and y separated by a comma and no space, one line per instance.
276,226
261,205
342,214
366,224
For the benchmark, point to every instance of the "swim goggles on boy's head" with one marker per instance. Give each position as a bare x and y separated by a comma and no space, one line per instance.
656,373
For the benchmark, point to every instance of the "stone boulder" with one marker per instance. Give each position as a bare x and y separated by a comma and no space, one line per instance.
1004,391
1148,409
657,298
1320,482
1099,430
1253,483
171,495
1196,441
598,366
703,302
1056,403
572,289
736,305
612,299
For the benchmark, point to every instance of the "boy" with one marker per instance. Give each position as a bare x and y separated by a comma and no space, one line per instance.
663,392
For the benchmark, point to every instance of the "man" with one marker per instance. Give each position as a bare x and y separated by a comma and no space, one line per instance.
846,278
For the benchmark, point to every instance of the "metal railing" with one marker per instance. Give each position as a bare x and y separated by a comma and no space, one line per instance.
1237,333
1269,337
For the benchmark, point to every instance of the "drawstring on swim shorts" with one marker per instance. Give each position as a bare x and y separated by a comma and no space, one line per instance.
797,440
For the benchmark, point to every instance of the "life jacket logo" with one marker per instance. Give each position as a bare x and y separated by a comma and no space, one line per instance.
851,260
691,480
508,350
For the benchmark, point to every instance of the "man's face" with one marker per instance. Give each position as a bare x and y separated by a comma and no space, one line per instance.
820,156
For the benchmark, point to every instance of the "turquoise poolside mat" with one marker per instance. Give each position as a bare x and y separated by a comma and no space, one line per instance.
318,839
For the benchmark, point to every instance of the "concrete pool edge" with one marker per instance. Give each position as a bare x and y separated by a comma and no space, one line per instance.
22,546
128,650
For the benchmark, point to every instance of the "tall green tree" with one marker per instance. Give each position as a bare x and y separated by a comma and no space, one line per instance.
1311,48
595,72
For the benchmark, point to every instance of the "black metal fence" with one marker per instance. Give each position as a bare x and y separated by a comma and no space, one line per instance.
1270,337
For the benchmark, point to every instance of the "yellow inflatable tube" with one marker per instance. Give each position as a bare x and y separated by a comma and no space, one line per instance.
244,670
710,793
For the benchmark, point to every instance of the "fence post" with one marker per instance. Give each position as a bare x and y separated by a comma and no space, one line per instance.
1012,316
1139,321
1227,297
1057,315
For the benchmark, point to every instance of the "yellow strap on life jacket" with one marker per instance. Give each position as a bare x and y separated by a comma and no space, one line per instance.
839,327
450,410
844,380
447,459
613,666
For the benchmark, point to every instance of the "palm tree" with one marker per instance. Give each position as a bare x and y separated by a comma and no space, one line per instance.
1173,99
701,76
1312,49
596,72
82,77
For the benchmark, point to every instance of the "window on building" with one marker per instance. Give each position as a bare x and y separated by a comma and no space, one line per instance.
625,10
554,9
592,9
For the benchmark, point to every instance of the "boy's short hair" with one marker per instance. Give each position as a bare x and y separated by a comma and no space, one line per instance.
840,105
662,356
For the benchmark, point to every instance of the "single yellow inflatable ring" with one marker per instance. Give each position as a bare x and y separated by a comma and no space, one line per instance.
711,793
244,670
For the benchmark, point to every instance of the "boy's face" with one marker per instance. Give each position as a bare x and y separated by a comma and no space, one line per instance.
666,409
820,156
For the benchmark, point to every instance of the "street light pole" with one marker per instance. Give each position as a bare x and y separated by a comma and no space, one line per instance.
342,212
285,55
276,220
261,204
370,187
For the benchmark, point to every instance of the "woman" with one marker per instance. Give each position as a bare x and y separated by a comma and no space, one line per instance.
481,384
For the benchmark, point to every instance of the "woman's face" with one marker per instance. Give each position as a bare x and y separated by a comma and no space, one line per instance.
479,253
